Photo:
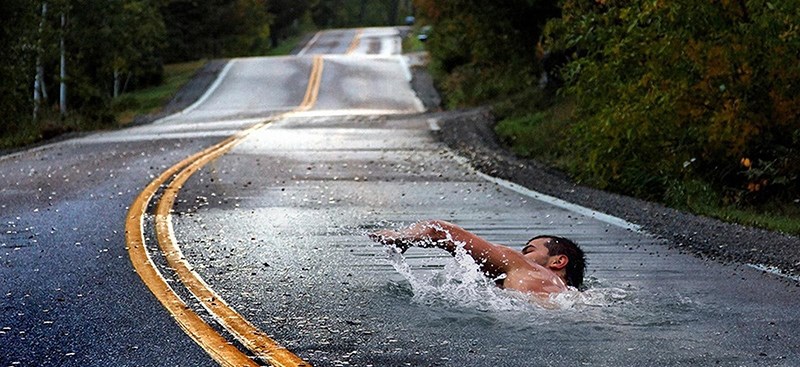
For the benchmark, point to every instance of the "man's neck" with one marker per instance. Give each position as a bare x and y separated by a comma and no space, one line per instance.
563,275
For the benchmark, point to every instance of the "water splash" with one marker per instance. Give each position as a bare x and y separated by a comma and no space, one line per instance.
597,296
462,284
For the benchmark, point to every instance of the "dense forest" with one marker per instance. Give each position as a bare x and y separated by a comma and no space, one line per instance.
692,103
68,60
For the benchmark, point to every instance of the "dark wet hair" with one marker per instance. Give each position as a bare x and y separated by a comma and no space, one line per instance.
577,260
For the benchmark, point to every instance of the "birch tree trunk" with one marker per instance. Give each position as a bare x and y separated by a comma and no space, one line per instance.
116,82
38,80
62,100
42,86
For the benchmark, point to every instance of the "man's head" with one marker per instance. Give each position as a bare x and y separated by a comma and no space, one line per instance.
558,254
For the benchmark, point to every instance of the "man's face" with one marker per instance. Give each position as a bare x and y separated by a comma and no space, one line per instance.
536,251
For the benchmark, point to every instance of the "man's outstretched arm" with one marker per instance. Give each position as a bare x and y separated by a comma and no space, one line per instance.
493,259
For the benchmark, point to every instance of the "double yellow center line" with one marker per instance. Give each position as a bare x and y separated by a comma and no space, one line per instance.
354,43
216,345
312,91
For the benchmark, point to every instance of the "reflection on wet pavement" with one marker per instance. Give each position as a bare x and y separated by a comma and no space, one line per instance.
278,227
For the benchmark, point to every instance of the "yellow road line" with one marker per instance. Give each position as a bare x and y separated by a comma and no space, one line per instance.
355,42
203,334
312,90
252,338
219,348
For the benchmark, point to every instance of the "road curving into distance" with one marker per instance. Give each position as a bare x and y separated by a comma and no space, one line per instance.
259,346
220,349
233,233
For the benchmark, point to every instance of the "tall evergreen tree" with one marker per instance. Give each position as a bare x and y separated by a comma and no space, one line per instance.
18,28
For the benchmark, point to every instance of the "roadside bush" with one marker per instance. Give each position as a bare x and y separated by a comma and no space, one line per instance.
684,96
541,135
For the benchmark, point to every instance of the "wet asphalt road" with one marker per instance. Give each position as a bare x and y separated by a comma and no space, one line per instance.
69,294
276,226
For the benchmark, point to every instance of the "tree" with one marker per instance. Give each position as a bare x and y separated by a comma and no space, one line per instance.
684,97
286,15
136,31
358,13
215,28
475,43
18,26
39,87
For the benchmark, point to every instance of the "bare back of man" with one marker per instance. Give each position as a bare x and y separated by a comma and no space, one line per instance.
532,270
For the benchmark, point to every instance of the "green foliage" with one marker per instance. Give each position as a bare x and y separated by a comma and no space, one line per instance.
694,104
109,46
126,40
359,13
684,91
152,99
286,46
543,135
288,14
17,27
691,194
215,28
782,217
485,50
125,108
412,43
519,132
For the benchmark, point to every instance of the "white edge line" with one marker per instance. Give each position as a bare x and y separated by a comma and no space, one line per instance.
309,44
205,95
575,208
33,150
603,217
407,71
406,68
606,218
774,271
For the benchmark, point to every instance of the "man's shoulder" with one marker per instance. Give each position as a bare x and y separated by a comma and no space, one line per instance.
535,278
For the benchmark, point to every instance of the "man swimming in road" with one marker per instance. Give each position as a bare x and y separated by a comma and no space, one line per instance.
545,265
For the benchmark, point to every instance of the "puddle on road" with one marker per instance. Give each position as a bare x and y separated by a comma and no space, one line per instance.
459,292
331,294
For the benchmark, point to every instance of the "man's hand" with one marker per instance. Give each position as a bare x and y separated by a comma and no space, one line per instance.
391,238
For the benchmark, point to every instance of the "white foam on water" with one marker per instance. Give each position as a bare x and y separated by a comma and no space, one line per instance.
459,284
462,284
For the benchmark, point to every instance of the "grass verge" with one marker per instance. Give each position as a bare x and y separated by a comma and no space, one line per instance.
286,46
125,108
151,100
412,42
781,217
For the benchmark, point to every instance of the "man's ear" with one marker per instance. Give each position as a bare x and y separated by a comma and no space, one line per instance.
558,262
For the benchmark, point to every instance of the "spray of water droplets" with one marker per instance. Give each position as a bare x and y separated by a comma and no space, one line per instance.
461,284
